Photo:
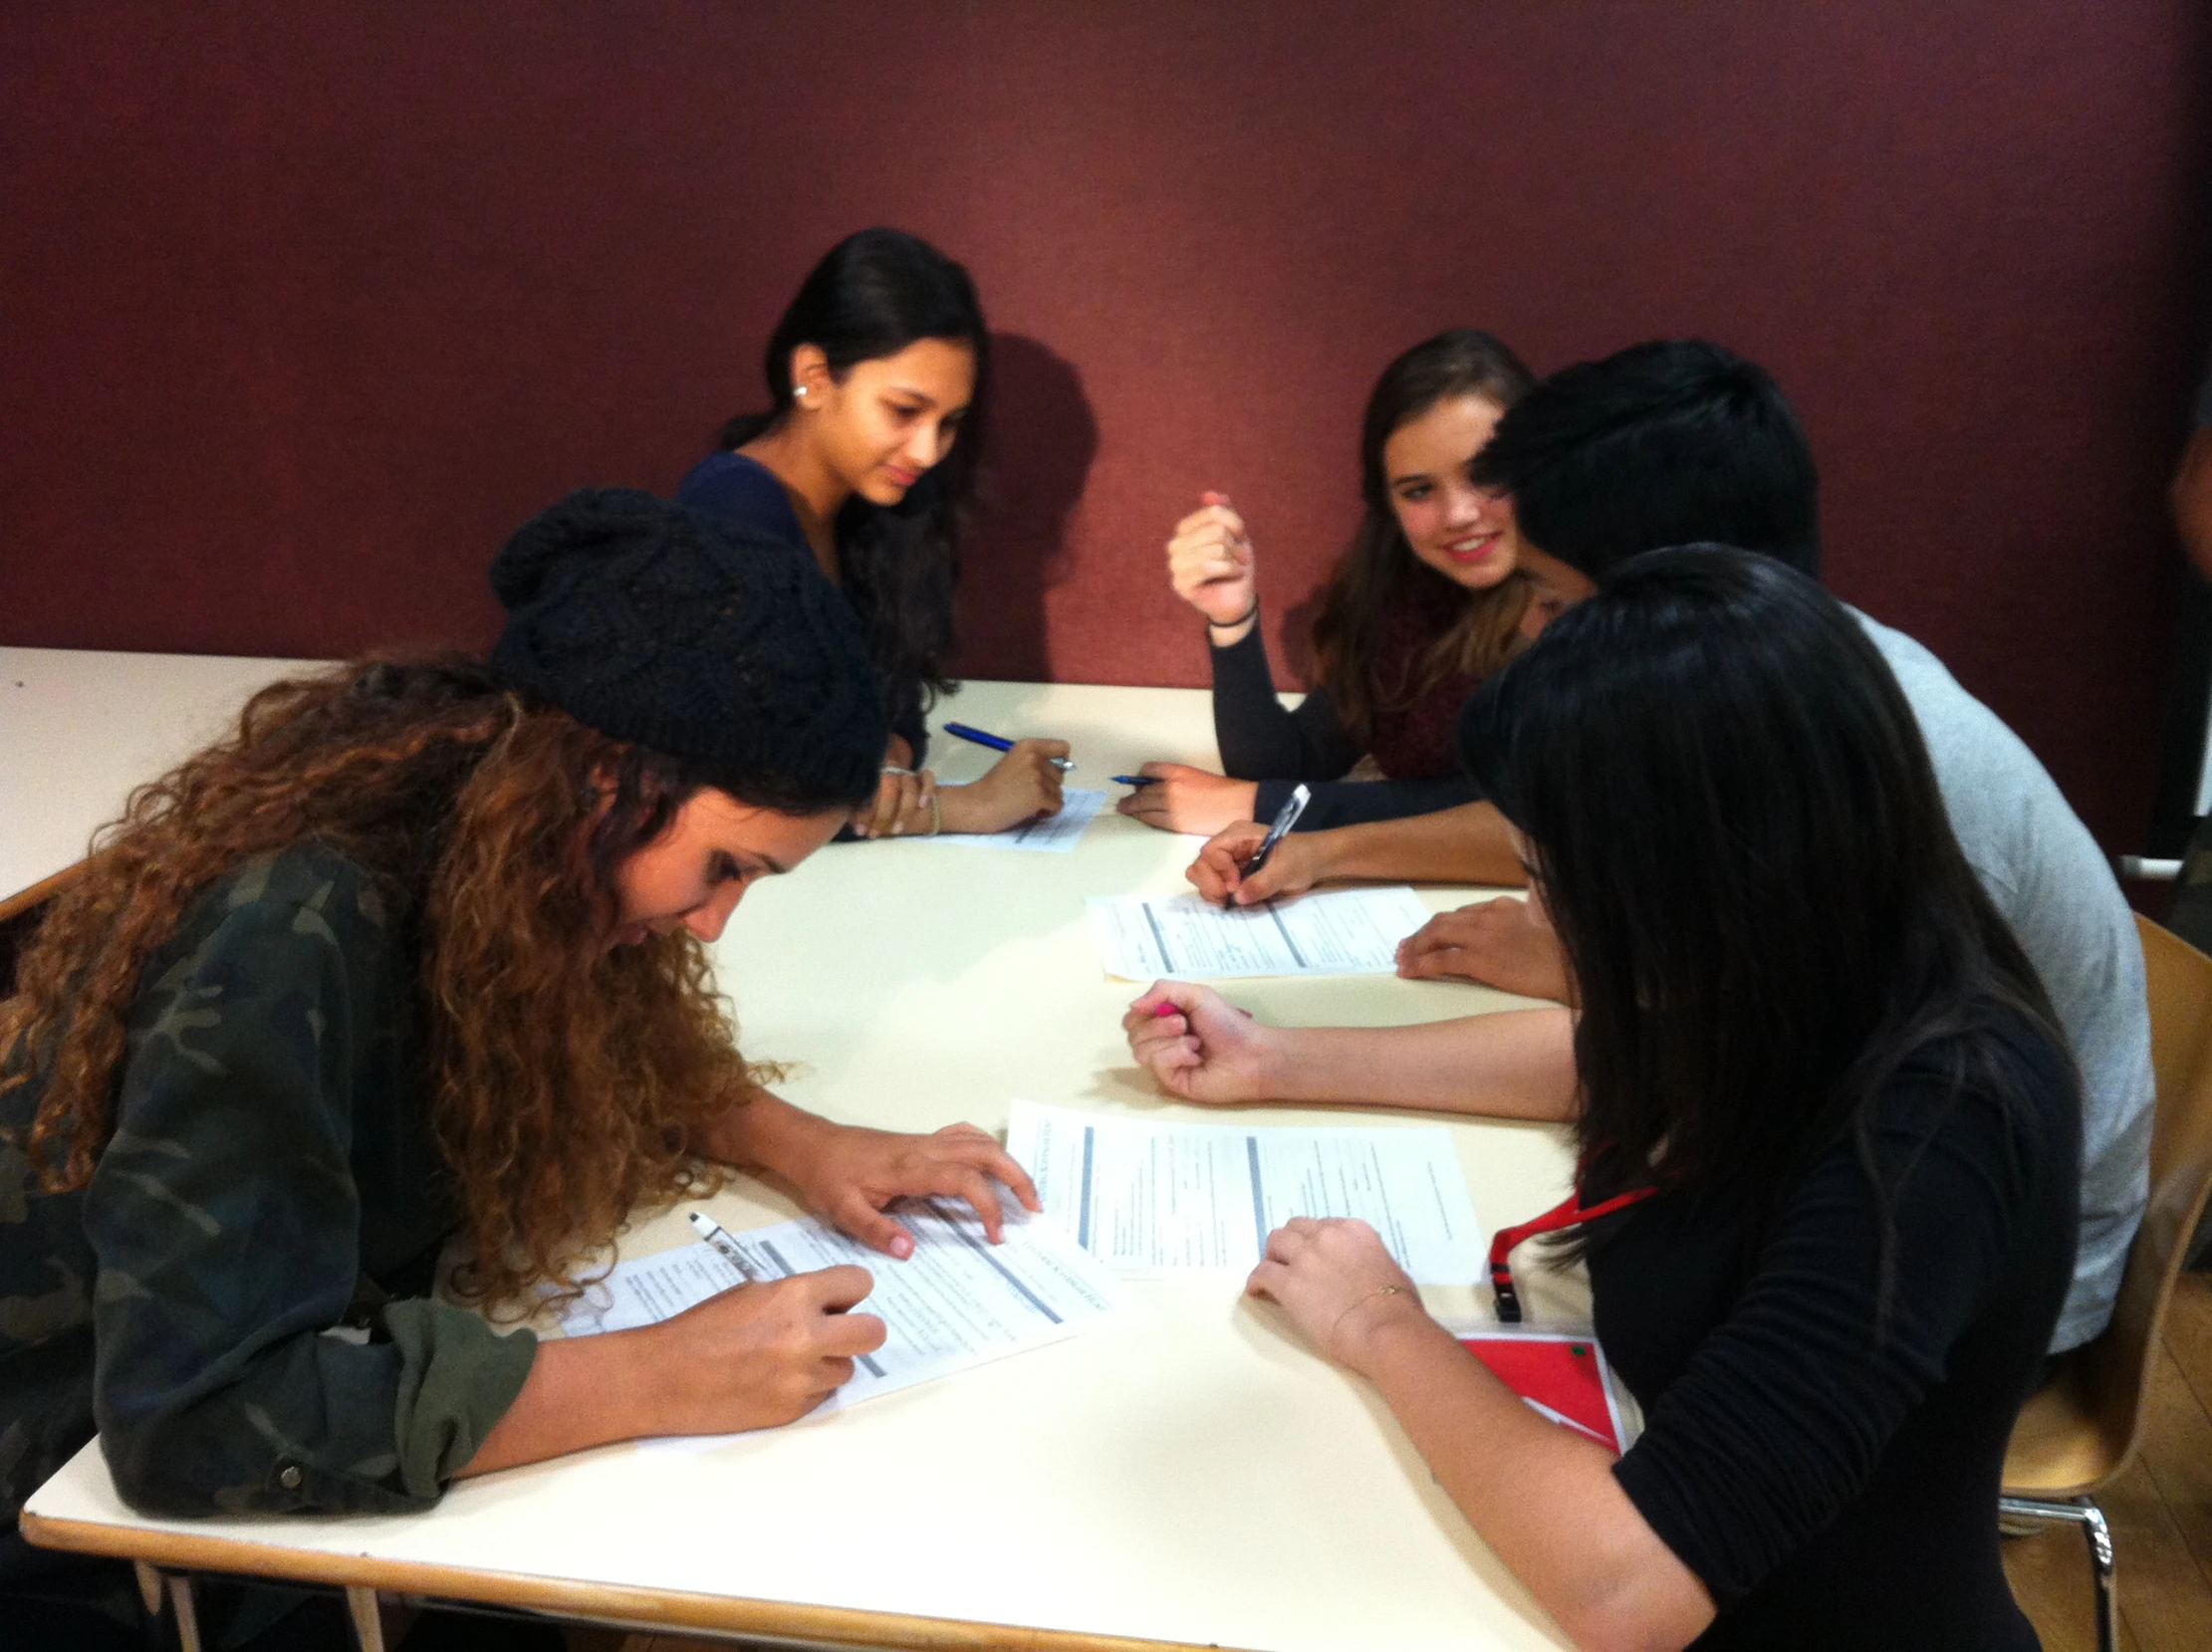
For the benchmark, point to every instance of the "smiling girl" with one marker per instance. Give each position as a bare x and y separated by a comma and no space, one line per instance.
1423,604
876,379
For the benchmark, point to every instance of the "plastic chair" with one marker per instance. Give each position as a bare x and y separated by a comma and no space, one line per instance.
2082,1428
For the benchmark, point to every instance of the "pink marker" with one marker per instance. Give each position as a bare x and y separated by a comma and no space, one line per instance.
1165,1009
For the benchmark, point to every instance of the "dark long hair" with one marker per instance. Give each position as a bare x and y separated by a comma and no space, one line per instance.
1741,841
874,294
1378,568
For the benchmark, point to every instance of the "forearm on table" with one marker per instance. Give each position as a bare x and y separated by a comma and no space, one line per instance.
766,1132
1466,844
1545,1500
581,1391
967,808
1517,1064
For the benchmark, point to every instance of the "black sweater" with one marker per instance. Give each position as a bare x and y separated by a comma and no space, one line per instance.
1830,1489
1261,741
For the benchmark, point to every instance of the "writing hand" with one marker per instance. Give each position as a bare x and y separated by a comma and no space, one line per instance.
1295,866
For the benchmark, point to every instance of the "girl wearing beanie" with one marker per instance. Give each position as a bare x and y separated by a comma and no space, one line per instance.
882,361
419,951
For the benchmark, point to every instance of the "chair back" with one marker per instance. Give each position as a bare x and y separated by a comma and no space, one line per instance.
2115,1367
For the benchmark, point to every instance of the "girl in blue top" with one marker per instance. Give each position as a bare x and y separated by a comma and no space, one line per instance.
879,366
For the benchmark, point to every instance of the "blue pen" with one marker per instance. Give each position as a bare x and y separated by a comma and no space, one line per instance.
998,743
1137,780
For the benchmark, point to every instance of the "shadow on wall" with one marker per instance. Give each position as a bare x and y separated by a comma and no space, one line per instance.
1042,437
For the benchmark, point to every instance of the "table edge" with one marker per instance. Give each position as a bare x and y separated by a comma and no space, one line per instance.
627,1604
45,890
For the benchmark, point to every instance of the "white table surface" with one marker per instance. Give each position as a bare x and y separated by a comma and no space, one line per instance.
1195,1475
79,729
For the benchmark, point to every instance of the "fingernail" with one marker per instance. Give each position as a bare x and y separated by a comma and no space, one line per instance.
898,827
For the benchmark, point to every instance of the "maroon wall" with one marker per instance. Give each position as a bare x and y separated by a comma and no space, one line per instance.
303,306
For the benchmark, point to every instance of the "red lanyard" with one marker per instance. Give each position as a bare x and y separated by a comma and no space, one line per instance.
1569,1213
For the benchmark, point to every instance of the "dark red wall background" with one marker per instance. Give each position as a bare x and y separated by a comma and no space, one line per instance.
304,306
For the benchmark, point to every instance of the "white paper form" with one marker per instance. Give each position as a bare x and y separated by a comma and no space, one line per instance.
1149,1198
1340,932
958,1301
1053,834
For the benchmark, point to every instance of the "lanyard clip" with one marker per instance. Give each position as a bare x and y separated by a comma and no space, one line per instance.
1503,1296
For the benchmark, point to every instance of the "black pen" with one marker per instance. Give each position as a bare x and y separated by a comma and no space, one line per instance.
1285,818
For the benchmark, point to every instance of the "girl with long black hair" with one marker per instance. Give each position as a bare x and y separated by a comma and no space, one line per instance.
1821,1088
877,378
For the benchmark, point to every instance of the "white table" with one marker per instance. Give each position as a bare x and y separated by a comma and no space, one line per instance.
80,729
1194,1476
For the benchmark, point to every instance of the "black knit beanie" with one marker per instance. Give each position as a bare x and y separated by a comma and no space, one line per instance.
694,636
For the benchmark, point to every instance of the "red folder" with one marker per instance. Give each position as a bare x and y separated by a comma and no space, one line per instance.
1562,1375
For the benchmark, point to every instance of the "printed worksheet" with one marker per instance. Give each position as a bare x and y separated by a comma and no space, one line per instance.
958,1301
1149,1199
1339,932
1053,834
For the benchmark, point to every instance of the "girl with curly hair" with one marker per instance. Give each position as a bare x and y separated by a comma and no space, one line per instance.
419,950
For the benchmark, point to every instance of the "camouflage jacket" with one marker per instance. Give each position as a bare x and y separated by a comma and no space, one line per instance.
271,1166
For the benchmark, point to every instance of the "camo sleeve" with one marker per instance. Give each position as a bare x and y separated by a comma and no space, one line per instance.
225,1220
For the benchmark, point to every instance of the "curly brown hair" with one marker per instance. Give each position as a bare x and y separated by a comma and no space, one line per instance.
569,1082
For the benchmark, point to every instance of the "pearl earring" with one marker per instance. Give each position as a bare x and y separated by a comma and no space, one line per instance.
801,390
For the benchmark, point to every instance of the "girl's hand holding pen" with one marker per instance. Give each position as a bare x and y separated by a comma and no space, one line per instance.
754,1356
1023,786
1218,874
1198,1045
1184,799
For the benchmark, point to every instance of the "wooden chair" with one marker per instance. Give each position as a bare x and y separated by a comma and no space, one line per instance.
2081,1429
20,914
